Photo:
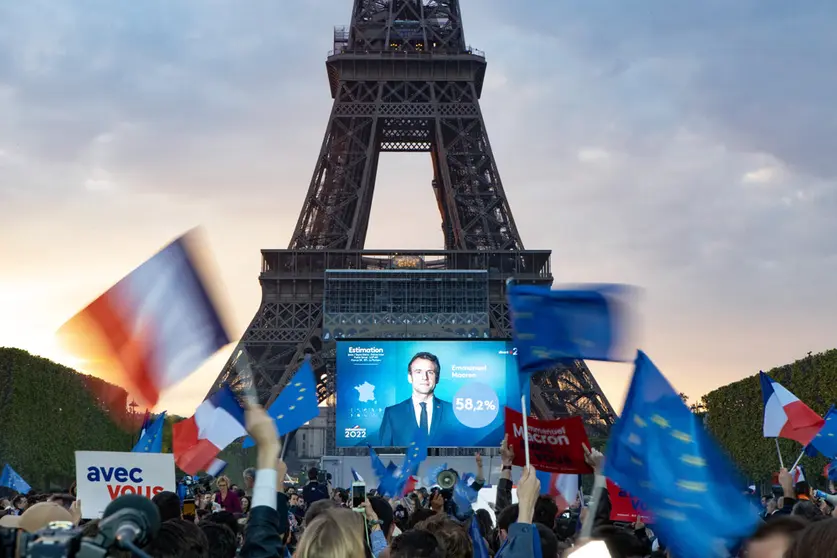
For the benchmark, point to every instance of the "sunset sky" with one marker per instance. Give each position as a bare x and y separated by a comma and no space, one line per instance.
684,147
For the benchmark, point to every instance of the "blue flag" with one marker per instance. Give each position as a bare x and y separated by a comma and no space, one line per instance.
182,491
430,479
659,452
383,472
554,327
480,548
416,452
825,442
152,440
146,422
295,405
12,480
463,497
393,479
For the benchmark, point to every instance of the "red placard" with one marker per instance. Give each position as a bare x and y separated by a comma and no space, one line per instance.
555,446
624,507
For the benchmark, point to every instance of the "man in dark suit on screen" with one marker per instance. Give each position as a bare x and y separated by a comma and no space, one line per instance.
423,409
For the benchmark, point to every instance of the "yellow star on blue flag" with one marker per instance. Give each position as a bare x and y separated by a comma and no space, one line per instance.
556,326
659,452
416,452
825,442
9,478
296,404
151,440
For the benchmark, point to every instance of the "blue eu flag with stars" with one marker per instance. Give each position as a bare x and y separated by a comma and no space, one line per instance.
296,404
416,452
555,326
825,442
152,439
394,479
659,452
12,480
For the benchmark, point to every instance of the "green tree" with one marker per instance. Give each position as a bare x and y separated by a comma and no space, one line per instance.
735,415
47,413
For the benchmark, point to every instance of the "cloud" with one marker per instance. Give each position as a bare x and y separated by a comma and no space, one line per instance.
592,155
685,147
762,175
689,101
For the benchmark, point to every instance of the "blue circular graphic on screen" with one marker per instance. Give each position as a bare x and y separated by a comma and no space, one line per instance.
476,405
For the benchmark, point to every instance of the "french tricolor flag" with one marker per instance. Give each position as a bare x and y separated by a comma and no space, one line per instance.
216,467
217,423
154,327
785,416
563,488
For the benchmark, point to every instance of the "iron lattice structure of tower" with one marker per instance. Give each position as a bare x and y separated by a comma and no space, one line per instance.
403,79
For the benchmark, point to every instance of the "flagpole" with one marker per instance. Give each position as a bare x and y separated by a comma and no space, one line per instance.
781,461
284,445
509,283
798,459
525,429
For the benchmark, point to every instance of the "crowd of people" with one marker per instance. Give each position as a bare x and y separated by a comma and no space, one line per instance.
266,517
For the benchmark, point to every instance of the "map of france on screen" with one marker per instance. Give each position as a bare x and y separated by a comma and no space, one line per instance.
456,389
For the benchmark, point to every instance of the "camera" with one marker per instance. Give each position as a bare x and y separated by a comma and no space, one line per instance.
128,521
195,486
59,538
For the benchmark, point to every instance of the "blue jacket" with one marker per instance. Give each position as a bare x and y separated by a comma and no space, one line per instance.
399,424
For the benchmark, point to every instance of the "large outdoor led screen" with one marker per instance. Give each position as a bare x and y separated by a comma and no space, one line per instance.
455,389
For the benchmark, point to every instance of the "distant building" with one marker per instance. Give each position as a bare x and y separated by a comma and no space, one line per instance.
309,444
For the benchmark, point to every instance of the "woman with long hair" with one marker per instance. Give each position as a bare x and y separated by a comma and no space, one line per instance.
245,505
334,533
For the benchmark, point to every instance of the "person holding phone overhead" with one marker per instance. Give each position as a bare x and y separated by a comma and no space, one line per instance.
423,409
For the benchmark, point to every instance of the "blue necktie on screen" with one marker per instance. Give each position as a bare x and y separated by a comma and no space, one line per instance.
423,419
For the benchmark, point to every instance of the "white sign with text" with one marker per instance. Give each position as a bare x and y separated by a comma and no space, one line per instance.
103,476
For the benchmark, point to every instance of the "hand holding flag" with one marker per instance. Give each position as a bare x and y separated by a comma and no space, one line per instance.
785,416
262,429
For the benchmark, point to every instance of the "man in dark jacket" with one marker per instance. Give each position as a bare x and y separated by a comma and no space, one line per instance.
314,491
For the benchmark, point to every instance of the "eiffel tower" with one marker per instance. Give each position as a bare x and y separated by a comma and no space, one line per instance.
403,79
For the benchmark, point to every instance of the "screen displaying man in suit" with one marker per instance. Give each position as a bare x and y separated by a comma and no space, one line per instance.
423,409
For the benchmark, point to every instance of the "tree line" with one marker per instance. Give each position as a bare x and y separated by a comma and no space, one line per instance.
48,411
735,416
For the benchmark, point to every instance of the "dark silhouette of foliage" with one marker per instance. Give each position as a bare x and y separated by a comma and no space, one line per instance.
734,415
47,412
